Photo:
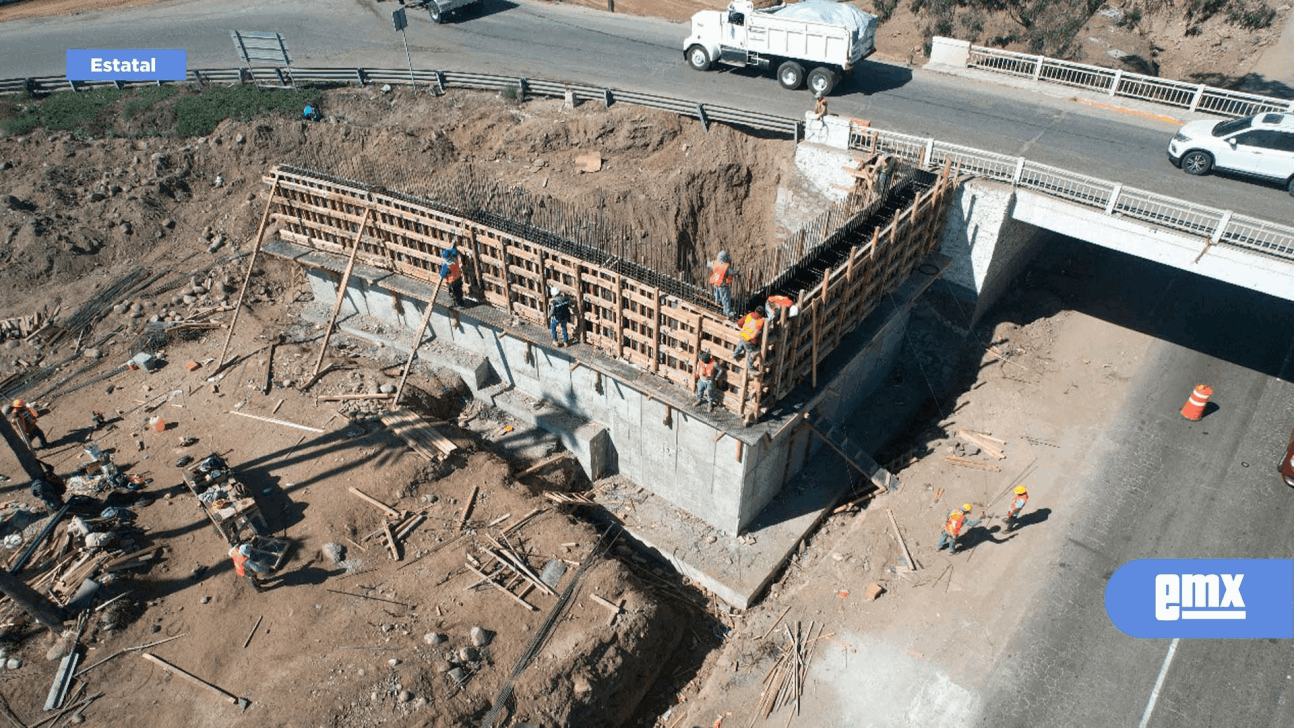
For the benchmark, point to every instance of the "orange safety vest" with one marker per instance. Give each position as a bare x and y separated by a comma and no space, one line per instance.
1017,505
239,560
25,418
454,273
719,276
780,301
751,326
706,371
954,525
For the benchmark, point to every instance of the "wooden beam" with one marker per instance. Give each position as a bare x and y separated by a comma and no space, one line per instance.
341,294
247,279
388,510
416,340
273,421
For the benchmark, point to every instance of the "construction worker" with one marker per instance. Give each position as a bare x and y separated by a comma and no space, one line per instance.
820,108
24,420
1017,505
242,557
452,274
752,325
953,528
721,275
774,305
885,167
310,113
706,377
559,313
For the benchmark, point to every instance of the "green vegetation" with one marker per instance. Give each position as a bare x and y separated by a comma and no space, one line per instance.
885,9
199,114
146,97
188,112
1253,19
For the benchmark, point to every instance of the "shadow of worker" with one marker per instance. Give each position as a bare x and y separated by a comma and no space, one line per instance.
305,576
1029,518
980,534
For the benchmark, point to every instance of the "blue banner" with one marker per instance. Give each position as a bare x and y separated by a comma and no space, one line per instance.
1210,598
126,65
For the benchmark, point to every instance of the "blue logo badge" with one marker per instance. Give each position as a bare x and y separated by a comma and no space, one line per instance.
1168,598
126,65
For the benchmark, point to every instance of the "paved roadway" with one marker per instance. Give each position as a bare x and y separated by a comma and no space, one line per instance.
543,40
1162,487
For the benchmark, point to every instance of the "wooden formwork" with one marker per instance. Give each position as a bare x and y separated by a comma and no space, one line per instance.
617,313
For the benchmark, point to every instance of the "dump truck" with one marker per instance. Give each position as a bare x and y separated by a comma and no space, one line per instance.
822,39
440,9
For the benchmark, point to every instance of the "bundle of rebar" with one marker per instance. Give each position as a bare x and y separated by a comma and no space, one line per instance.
784,683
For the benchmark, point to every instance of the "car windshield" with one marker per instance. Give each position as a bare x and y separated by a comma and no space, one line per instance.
1224,128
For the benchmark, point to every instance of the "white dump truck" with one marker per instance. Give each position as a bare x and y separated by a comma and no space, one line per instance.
819,38
441,9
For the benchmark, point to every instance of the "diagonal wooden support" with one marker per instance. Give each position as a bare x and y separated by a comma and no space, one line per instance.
247,279
341,293
413,345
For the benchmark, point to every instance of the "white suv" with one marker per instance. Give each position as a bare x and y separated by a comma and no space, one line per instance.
1262,146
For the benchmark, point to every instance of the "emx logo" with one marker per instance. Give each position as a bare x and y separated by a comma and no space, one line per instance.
1203,598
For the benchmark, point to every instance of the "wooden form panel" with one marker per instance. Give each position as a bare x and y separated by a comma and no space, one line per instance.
621,316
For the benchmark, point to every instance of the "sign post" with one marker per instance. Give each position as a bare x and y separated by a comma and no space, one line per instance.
401,21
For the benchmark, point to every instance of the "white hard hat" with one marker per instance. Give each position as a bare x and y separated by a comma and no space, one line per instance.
554,290
245,550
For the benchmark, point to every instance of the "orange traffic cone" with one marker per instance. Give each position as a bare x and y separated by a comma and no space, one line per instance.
1194,408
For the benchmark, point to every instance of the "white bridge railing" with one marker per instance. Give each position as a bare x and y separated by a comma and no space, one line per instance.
1116,82
1213,225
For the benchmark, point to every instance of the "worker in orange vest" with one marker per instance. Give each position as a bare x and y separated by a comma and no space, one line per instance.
752,326
452,274
721,275
24,420
706,376
953,528
774,305
1017,505
246,566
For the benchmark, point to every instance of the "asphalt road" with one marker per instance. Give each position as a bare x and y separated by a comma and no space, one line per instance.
1159,486
543,40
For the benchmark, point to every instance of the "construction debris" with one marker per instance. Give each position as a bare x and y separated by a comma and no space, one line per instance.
784,683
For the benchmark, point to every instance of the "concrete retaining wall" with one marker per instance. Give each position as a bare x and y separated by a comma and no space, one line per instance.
987,245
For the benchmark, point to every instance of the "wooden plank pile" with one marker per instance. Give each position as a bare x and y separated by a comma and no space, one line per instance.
22,327
422,437
785,681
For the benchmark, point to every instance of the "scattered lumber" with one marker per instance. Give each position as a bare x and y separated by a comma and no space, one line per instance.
524,519
487,578
902,544
252,634
462,520
376,599
390,512
390,542
578,499
968,463
345,397
544,463
785,681
421,436
983,443
234,699
273,421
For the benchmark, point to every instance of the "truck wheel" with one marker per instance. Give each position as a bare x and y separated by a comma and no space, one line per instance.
698,58
436,16
790,75
821,81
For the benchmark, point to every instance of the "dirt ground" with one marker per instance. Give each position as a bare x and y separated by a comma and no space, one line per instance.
80,217
73,211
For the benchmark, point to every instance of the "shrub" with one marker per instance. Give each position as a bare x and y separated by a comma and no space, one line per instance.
200,114
146,97
885,9
1253,19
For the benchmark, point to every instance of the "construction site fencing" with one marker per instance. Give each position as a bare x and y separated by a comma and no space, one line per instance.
1117,82
621,312
1216,226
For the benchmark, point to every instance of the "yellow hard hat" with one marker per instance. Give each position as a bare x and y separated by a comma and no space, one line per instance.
19,403
966,507
1020,490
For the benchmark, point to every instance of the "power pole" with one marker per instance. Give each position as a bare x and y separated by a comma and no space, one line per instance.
38,605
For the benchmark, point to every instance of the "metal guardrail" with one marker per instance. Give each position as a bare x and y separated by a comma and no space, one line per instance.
1217,226
1116,82
705,113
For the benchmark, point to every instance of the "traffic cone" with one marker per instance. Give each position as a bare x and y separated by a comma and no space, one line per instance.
1194,408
